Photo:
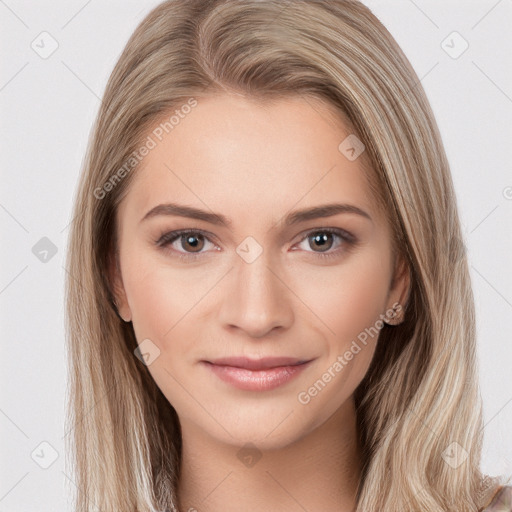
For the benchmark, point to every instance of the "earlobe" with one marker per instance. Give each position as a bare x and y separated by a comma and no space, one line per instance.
394,315
116,308
404,284
399,294
119,300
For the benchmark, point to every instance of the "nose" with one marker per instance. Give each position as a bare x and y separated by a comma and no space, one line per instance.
257,299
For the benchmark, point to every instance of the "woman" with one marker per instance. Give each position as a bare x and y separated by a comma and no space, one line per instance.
269,304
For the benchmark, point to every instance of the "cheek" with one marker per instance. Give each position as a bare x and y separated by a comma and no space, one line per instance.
347,302
347,299
165,301
149,298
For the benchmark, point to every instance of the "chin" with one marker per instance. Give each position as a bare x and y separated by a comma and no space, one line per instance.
267,427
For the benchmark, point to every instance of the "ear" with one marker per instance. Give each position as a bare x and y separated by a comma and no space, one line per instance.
117,287
400,287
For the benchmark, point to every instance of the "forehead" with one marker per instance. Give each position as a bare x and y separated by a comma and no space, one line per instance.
245,158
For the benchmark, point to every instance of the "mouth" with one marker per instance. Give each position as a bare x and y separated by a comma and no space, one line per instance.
257,374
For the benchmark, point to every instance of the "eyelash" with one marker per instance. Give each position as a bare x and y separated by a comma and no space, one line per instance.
168,238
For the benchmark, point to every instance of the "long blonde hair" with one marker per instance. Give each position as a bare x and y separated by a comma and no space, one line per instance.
421,394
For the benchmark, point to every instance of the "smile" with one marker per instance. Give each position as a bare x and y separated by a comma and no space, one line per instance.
263,376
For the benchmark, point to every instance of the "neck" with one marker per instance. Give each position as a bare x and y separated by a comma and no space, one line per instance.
320,471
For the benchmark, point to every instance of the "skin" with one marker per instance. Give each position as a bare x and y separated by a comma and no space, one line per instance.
255,163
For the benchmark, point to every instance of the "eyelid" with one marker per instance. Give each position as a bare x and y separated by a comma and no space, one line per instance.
169,237
343,233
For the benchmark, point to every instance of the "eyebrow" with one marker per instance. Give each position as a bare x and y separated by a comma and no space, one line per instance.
296,217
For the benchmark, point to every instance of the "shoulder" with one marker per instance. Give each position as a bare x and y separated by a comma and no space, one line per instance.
502,500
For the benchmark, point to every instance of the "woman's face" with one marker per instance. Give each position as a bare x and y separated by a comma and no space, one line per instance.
255,276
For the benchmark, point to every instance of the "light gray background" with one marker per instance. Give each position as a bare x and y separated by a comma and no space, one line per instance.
47,109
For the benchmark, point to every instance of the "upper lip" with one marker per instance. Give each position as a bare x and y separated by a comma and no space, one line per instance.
258,364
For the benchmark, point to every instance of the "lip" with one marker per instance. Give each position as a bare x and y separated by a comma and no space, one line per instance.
263,363
257,374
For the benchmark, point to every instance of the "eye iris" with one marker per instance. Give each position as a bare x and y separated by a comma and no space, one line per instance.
193,241
321,239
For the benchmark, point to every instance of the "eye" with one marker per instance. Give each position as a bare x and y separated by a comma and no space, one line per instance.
187,243
322,239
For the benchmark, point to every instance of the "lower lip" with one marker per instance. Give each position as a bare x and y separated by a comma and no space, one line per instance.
256,380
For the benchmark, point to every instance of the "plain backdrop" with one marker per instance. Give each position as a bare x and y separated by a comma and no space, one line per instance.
48,104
